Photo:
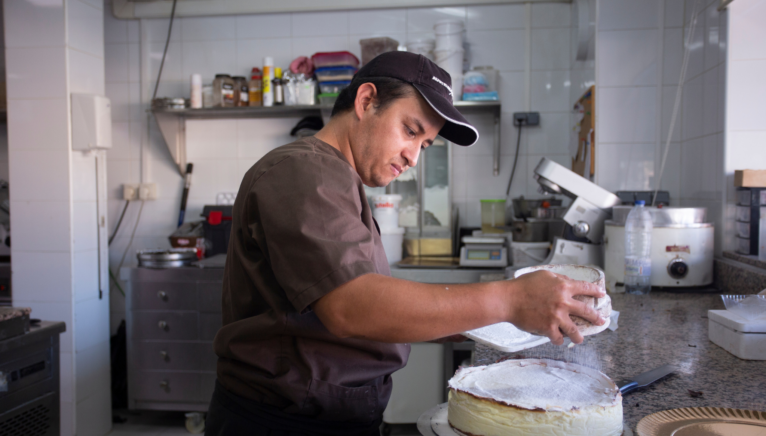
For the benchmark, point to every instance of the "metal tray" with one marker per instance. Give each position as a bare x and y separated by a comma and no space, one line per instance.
172,258
703,421
15,322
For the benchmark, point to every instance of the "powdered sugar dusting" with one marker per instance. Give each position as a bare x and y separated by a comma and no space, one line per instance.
503,334
538,384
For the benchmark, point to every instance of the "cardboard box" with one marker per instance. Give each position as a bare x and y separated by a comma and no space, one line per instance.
750,178
189,235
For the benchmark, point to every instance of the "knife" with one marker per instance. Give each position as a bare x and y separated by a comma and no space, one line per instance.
646,378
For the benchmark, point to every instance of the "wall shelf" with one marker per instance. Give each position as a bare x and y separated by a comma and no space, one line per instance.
172,122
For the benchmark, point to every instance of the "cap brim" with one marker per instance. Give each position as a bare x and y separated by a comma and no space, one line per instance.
456,129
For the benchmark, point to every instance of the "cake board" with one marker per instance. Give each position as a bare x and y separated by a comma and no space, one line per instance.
433,422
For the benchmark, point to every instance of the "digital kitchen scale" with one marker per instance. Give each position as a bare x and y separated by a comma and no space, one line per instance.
482,251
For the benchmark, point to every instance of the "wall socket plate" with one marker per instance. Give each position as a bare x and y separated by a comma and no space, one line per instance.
147,191
130,191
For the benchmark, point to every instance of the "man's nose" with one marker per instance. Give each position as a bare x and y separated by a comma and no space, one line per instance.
411,155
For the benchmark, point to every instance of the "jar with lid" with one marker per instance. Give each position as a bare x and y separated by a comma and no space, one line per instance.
255,88
223,91
278,86
241,96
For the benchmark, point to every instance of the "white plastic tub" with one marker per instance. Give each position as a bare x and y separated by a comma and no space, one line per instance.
385,210
424,47
451,61
392,239
529,253
449,34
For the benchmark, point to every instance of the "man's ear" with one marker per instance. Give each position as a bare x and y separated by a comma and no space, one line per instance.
365,95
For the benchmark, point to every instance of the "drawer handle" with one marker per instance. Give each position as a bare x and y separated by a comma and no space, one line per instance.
163,325
162,295
164,355
165,385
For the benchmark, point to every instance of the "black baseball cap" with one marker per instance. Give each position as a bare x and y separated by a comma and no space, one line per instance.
433,83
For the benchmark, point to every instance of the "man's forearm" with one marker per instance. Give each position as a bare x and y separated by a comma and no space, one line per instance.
387,309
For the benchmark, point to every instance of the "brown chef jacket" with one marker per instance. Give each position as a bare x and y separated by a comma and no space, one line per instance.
301,228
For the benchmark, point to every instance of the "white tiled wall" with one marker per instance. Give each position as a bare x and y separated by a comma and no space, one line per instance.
745,90
640,49
530,45
55,48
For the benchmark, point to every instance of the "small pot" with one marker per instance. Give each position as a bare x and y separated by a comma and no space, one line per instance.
170,258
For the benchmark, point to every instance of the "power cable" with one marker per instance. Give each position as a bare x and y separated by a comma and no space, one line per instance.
165,52
119,221
515,161
130,242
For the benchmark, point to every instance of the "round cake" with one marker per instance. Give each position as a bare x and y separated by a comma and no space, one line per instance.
534,397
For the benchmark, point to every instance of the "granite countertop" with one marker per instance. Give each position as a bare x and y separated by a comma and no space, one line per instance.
662,328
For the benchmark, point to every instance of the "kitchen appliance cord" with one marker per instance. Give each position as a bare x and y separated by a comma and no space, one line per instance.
119,221
679,93
135,226
165,52
515,161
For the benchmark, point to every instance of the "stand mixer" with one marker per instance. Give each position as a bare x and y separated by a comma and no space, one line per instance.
591,207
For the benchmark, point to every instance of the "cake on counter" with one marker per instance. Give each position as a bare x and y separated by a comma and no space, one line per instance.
534,397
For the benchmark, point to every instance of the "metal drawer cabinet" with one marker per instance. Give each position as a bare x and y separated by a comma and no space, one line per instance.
183,356
168,386
172,318
165,296
209,296
166,326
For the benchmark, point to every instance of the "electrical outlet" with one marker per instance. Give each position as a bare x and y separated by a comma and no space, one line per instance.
129,192
147,191
526,118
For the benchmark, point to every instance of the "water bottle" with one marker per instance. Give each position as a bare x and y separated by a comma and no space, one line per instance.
638,247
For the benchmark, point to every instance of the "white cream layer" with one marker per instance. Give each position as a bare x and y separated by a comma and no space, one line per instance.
485,418
538,384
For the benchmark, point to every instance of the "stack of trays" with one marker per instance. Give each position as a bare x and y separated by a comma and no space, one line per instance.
334,71
751,210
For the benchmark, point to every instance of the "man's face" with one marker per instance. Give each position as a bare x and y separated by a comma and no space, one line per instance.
388,141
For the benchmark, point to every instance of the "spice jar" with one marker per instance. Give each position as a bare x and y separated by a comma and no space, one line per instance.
241,96
223,91
278,86
254,88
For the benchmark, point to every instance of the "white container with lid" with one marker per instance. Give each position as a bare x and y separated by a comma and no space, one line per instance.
385,210
424,47
451,61
449,34
741,337
392,239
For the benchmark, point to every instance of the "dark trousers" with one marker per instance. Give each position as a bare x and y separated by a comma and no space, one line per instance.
232,415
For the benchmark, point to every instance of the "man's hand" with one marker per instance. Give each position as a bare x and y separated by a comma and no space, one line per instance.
543,302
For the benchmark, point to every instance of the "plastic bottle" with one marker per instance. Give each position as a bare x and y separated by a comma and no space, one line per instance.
268,76
254,88
196,91
277,85
638,247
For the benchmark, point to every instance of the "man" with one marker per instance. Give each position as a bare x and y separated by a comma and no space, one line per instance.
313,323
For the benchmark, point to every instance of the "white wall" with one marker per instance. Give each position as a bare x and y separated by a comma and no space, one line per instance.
640,47
53,49
746,91
530,45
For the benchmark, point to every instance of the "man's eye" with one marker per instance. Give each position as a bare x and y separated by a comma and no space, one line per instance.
410,132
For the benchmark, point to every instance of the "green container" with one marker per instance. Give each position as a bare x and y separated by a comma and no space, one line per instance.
492,215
